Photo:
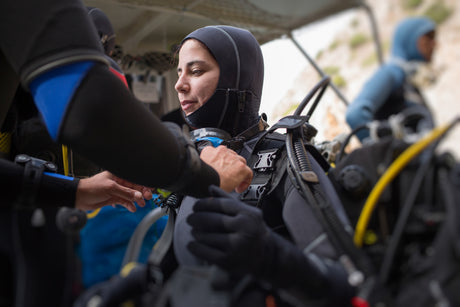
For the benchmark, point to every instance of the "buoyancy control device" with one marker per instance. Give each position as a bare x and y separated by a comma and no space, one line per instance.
401,196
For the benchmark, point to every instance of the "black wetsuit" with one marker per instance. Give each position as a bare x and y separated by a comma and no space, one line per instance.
53,45
101,119
37,263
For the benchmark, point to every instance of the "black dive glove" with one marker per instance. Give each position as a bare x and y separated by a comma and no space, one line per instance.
228,233
234,236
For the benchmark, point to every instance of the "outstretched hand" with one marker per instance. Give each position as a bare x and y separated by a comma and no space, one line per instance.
233,172
105,189
227,232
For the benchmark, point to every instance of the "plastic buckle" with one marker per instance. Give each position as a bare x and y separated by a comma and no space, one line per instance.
33,172
266,160
254,192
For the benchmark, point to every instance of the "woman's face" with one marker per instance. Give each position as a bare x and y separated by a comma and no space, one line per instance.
198,73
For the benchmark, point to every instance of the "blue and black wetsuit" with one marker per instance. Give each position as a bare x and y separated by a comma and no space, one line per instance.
57,55
52,50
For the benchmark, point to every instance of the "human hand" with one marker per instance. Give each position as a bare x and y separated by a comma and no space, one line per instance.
228,233
232,235
106,189
233,172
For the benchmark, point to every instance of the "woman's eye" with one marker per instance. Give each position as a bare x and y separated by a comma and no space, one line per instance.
197,72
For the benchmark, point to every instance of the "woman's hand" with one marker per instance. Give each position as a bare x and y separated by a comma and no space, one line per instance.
233,172
105,189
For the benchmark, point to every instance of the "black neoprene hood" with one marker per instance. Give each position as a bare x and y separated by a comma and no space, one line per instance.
235,104
104,28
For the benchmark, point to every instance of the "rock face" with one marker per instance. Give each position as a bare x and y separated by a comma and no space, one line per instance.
351,59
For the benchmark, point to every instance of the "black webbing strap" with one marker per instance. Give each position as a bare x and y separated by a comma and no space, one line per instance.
33,173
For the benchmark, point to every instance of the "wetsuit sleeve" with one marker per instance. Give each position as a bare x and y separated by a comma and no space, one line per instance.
303,278
52,191
372,97
106,124
99,118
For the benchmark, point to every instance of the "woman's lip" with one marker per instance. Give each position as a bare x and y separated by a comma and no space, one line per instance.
186,104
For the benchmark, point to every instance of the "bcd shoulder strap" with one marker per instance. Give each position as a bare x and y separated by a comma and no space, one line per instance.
268,163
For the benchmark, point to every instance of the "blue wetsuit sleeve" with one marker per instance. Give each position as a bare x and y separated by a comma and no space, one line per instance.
89,109
372,97
53,91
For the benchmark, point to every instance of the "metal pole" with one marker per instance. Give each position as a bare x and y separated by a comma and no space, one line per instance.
375,32
317,68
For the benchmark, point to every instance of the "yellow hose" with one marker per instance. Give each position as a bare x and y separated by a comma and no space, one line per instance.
65,160
93,213
5,143
394,169
65,163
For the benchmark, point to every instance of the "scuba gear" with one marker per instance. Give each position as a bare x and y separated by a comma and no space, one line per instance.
54,191
284,209
208,136
408,125
30,239
223,227
33,172
402,222
282,205
192,160
68,220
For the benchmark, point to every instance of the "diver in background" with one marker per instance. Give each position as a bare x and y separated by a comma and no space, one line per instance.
389,90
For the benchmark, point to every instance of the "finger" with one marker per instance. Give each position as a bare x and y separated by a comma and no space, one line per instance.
219,205
147,193
205,252
218,192
217,241
114,201
243,178
242,159
210,221
131,207
140,202
127,194
244,185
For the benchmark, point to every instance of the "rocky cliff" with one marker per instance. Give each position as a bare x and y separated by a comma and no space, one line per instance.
351,59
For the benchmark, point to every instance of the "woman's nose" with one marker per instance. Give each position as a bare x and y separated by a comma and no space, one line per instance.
182,84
